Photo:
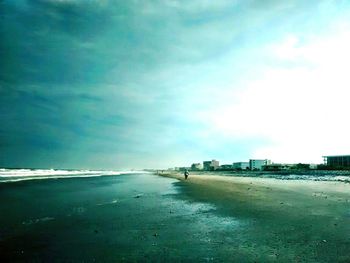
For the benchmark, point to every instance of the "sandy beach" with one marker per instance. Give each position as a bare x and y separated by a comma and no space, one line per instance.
290,220
151,218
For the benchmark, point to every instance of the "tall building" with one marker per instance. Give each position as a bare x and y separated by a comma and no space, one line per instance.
210,165
258,164
337,161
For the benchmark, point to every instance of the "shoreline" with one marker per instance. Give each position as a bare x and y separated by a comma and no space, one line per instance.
145,217
310,218
260,187
247,173
311,175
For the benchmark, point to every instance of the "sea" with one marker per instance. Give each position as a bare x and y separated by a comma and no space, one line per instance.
332,176
15,175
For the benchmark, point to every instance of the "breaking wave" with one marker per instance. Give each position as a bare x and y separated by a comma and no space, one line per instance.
15,175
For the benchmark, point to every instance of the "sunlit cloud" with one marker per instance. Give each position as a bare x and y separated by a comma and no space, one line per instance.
301,109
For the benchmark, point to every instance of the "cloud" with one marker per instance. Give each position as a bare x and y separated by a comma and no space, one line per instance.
103,84
300,109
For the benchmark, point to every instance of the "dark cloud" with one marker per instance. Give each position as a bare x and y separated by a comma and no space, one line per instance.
107,83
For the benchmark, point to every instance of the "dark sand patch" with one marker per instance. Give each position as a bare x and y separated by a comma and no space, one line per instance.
147,223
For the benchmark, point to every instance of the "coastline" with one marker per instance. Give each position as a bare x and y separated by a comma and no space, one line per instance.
144,218
302,219
316,175
269,192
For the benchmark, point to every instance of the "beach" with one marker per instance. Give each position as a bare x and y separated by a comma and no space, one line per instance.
122,218
288,220
145,217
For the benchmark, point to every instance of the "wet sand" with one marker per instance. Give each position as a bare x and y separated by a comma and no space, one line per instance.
149,218
127,218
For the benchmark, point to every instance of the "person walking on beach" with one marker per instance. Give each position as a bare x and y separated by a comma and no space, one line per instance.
186,174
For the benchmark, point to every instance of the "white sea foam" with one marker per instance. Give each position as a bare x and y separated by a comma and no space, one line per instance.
108,203
37,220
14,175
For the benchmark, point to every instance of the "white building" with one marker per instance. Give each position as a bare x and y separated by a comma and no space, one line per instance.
240,165
257,164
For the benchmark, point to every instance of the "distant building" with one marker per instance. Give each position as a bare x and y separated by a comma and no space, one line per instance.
210,165
337,161
225,167
182,169
272,167
196,166
277,167
258,164
301,166
206,165
240,165
313,166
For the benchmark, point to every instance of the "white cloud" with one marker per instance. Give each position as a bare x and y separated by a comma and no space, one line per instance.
303,110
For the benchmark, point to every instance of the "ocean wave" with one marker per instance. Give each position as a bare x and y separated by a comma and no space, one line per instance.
310,177
15,175
37,220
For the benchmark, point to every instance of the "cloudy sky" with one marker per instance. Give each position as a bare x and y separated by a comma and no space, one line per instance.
139,84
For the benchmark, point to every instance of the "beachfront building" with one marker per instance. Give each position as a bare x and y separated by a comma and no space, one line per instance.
313,166
337,161
182,169
240,165
196,166
211,165
225,167
278,167
258,164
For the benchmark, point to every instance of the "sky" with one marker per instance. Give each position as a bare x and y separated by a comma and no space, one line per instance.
102,84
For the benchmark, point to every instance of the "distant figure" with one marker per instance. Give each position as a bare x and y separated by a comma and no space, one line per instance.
186,174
